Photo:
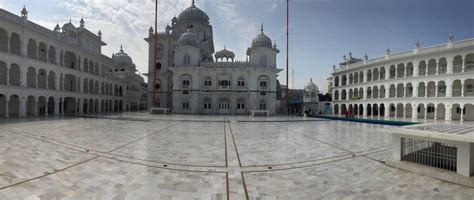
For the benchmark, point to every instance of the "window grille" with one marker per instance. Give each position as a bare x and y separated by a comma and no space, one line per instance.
434,154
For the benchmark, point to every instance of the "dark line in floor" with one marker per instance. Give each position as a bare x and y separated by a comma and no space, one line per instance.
56,171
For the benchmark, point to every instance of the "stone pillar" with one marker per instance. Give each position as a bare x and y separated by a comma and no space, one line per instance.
447,113
462,89
415,89
416,68
36,80
463,65
449,89
403,111
436,89
7,112
414,111
57,102
8,74
426,90
22,106
8,42
79,84
462,113
465,159
436,112
426,111
387,111
437,67
35,103
397,147
449,68
47,83
23,77
81,106
46,108
56,83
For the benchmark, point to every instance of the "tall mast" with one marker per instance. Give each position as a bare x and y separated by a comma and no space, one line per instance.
154,55
287,54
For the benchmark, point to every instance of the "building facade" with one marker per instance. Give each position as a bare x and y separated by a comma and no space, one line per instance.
126,70
191,78
435,82
311,98
60,71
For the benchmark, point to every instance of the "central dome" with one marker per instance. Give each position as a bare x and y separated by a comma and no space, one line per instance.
193,14
122,58
262,40
188,39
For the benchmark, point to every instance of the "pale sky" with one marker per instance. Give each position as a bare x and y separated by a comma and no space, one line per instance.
321,31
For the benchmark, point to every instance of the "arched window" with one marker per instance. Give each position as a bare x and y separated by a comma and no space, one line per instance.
185,105
185,81
241,82
208,82
187,59
263,105
207,104
240,104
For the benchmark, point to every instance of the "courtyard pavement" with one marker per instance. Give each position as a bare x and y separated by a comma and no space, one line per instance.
140,156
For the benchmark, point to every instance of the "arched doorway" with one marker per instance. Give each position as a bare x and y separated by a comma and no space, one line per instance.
14,105
41,105
69,105
456,111
30,106
400,110
468,112
3,105
51,108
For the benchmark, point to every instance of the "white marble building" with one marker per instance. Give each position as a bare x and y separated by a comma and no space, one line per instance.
189,79
60,71
126,70
435,82
311,98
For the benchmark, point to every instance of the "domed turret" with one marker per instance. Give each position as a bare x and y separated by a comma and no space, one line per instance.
311,87
311,98
188,39
262,40
121,58
193,14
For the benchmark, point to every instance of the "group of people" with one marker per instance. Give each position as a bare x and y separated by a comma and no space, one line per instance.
349,113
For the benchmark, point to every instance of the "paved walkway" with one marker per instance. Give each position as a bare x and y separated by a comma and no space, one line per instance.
139,156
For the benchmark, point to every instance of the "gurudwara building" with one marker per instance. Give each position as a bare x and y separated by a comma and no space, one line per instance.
435,82
62,71
192,79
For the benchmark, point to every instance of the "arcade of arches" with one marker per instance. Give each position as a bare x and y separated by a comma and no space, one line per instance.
462,112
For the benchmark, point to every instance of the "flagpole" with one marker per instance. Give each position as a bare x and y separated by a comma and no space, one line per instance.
154,54
287,54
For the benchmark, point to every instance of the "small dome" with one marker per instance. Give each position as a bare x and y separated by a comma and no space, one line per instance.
122,58
193,14
311,87
188,39
262,40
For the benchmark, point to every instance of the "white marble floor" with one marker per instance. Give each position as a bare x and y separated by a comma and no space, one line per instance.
140,156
